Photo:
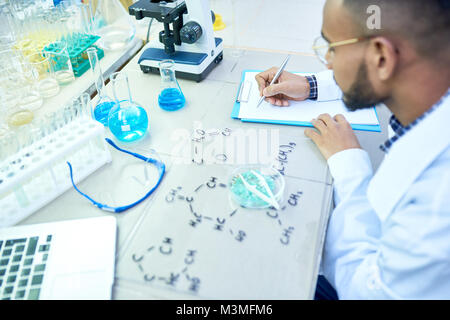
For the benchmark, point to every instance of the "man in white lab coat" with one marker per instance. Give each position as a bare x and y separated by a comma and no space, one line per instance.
389,234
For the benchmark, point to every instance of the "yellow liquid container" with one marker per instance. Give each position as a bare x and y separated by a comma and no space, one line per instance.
20,118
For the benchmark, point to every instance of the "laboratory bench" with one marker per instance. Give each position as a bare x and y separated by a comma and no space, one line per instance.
208,106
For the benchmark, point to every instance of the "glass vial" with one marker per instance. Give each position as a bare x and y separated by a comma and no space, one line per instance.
171,97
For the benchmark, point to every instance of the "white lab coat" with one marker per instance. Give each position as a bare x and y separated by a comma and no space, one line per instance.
389,234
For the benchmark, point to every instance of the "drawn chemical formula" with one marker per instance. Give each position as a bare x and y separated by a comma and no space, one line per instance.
179,278
195,218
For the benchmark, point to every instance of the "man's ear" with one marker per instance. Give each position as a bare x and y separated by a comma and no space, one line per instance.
383,57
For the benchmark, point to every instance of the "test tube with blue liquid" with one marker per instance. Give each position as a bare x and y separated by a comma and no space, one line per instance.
171,97
104,103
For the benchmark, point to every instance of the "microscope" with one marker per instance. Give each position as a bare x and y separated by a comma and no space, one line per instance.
190,43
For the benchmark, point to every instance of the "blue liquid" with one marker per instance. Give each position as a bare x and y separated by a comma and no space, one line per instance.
101,112
247,198
171,99
128,123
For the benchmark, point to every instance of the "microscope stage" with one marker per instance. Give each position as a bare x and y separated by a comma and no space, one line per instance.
188,65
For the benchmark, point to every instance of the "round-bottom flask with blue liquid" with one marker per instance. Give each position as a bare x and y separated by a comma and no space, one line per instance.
101,111
104,103
127,120
171,97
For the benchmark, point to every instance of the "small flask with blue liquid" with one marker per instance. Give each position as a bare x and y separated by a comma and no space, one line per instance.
127,120
171,97
104,103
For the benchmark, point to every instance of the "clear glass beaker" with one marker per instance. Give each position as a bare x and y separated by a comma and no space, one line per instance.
127,120
59,58
113,24
30,97
9,86
171,97
18,116
7,28
63,16
11,58
43,71
72,19
18,87
104,103
87,17
3,128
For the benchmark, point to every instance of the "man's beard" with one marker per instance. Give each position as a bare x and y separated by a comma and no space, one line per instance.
361,95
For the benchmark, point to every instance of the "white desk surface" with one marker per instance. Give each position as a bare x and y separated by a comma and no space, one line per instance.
208,103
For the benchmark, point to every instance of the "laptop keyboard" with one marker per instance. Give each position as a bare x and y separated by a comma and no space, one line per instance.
22,267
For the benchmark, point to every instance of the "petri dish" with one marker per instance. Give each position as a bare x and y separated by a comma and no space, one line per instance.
247,199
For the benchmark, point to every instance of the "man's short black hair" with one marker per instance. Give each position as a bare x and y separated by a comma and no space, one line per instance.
425,23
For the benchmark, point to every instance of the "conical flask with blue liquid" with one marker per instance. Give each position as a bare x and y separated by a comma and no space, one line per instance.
104,103
127,120
171,97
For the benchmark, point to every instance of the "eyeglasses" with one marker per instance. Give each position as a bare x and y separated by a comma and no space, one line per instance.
322,47
159,165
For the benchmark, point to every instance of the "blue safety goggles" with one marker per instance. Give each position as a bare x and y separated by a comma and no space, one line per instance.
159,165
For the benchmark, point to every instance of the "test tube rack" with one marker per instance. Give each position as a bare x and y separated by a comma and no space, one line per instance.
39,173
77,52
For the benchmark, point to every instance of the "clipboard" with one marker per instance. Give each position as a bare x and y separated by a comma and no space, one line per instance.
237,106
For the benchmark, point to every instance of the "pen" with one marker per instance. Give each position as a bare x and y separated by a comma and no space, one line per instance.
277,75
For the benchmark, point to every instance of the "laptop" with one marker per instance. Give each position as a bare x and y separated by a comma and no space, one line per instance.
71,259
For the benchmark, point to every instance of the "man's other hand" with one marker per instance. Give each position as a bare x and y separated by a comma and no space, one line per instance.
333,135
